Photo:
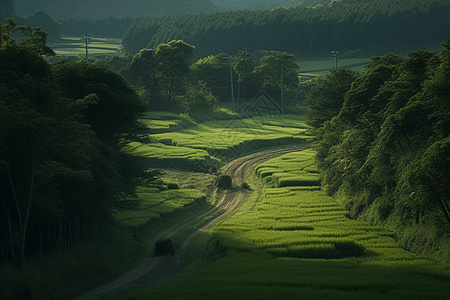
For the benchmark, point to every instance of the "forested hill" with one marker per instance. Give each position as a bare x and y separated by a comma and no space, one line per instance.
386,153
374,27
96,9
6,9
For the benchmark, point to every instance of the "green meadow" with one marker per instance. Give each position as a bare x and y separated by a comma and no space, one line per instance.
298,243
154,204
72,46
316,67
181,143
176,138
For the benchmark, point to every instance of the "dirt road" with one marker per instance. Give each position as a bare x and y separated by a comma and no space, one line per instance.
227,201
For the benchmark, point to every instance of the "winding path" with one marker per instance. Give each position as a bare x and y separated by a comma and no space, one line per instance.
227,201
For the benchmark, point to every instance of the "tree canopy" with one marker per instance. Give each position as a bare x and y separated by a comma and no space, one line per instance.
62,132
385,153
375,26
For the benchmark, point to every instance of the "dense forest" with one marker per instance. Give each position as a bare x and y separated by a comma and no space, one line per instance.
99,9
373,27
383,146
382,136
62,132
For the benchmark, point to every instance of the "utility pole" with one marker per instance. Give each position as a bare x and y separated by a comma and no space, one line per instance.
334,57
282,92
86,39
232,86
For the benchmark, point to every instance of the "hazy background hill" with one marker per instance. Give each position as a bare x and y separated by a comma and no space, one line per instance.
6,9
117,8
96,9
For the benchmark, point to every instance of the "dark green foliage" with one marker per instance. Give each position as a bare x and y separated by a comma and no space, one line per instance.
62,132
111,27
164,247
371,27
386,152
114,117
272,65
163,72
215,71
325,99
102,9
198,100
224,182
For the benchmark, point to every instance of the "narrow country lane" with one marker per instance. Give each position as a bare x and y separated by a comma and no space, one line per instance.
227,201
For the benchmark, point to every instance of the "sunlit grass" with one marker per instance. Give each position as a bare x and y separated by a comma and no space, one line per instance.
155,203
298,243
74,46
225,134
162,151
178,138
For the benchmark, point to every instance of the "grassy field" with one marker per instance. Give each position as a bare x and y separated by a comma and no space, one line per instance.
182,143
181,190
312,68
298,243
178,141
73,46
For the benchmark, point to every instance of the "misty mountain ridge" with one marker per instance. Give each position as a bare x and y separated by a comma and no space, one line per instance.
99,9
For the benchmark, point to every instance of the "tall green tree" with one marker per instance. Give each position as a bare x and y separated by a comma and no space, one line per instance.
63,130
244,63
42,138
215,71
174,61
325,99
115,117
164,72
269,71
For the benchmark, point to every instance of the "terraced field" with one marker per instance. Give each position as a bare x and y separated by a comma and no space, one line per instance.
73,46
181,143
183,147
298,243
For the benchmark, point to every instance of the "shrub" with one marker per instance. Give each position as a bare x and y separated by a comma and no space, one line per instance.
224,182
164,247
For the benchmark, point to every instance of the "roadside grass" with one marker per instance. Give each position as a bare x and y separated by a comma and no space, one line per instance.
182,143
74,46
162,151
163,121
226,134
296,242
179,193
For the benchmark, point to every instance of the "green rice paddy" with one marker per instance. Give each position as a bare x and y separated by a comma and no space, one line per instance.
155,203
299,243
177,138
74,46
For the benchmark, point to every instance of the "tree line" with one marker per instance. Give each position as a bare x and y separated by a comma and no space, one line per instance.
372,26
172,79
383,144
64,127
101,9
